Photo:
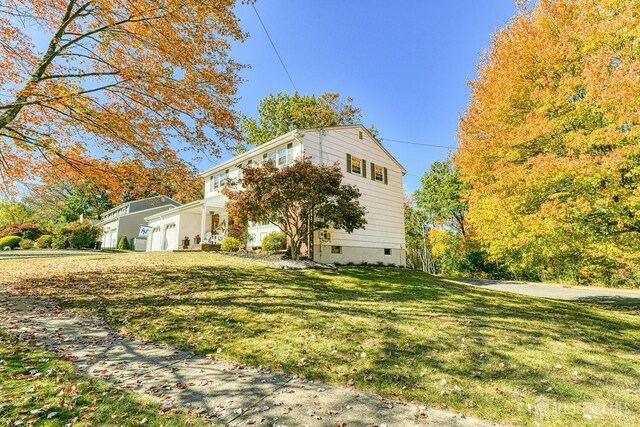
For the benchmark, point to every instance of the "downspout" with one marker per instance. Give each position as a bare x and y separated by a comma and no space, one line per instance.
320,134
321,152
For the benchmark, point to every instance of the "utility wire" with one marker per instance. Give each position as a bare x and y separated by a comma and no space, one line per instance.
274,48
418,143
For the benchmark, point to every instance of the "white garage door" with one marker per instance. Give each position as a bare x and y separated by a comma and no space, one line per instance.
170,236
156,239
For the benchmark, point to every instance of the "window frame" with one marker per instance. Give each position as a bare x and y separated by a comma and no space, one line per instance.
377,168
336,250
388,251
360,164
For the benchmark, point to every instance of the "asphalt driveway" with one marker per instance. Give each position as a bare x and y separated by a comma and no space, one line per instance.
557,291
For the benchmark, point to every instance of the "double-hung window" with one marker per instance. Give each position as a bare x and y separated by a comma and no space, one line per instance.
285,155
378,173
356,165
219,181
269,156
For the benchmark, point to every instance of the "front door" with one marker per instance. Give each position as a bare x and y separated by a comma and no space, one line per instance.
215,223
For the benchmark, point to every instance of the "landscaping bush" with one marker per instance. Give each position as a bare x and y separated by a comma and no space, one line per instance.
26,243
82,234
60,241
10,241
26,231
210,247
230,244
124,243
274,241
44,241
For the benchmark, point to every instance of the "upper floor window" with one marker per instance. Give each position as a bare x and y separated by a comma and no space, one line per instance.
281,157
356,165
269,156
378,173
218,181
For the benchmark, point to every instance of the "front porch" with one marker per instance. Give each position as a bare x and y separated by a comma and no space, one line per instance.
204,224
190,226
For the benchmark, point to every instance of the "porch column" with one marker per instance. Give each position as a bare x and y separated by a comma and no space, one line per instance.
203,223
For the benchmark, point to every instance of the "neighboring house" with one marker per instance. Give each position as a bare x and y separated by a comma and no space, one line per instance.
365,163
126,219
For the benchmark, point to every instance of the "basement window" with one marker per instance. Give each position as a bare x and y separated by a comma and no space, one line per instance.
336,249
387,251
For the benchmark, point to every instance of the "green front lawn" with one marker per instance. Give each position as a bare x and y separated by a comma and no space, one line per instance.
488,354
37,388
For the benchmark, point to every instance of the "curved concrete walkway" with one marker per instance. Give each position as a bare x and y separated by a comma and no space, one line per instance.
222,392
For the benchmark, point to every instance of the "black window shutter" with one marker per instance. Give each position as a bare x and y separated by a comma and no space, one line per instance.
349,163
373,171
386,181
364,168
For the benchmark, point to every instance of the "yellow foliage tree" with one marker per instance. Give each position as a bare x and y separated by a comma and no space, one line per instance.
550,141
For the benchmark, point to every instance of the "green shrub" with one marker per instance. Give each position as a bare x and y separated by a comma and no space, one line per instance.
26,231
124,244
230,244
60,241
274,241
82,234
44,241
26,243
10,241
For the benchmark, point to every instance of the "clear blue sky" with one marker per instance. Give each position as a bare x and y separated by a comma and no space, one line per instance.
405,63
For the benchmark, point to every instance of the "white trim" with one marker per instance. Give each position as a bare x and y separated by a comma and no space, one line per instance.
289,136
106,221
135,201
404,171
248,154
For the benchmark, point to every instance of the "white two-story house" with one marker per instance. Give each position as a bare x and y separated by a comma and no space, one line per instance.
365,163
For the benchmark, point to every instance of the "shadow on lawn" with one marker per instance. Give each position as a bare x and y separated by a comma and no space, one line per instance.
416,323
617,303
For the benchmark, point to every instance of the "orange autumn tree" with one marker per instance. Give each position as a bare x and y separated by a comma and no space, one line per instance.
550,142
115,79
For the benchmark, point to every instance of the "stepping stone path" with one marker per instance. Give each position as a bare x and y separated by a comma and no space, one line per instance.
223,392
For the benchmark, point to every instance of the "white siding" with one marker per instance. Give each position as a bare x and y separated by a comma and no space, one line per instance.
384,202
234,171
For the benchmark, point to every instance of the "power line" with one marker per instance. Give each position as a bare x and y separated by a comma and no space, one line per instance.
274,48
418,143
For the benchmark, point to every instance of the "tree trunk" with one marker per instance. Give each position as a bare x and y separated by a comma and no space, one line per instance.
294,249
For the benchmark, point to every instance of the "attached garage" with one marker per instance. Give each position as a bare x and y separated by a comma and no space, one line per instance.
110,238
170,238
156,239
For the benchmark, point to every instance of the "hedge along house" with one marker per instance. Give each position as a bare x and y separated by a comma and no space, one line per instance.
126,219
366,164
